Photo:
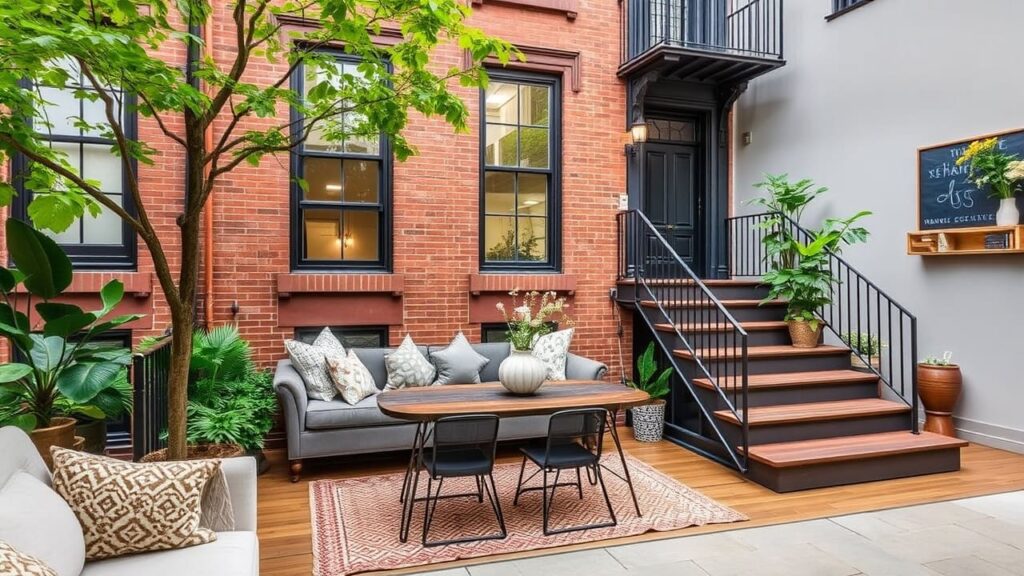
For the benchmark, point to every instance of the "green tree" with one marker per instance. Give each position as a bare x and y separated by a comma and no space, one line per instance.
115,44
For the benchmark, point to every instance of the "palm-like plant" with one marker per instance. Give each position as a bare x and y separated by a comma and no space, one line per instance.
646,367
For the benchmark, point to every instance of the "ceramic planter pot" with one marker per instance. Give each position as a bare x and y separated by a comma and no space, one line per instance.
60,432
649,421
939,388
802,335
522,373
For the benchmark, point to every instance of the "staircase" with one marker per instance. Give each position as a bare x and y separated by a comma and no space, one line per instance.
789,418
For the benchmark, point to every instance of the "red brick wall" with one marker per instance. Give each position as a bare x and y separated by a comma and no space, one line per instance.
435,196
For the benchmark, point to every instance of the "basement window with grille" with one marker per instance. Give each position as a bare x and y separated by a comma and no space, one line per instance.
840,7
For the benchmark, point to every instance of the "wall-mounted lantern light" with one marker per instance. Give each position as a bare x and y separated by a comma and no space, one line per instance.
638,135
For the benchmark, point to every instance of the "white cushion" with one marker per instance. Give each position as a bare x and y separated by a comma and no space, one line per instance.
407,367
36,521
553,350
351,377
232,554
310,361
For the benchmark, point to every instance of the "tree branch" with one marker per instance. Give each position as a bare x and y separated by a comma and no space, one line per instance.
160,121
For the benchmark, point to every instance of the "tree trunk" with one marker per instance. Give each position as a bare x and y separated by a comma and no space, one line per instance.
177,401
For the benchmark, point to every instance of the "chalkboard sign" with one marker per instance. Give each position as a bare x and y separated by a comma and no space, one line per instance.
947,198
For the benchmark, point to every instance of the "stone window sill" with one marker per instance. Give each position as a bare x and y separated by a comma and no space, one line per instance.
292,283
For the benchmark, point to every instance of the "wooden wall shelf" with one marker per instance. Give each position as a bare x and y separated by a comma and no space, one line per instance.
964,241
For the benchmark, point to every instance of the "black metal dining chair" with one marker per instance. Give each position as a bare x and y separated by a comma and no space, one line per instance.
464,447
574,442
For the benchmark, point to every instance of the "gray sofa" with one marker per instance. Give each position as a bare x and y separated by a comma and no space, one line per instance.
317,428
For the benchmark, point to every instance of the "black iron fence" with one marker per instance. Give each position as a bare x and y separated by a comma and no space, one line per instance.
739,27
150,379
880,331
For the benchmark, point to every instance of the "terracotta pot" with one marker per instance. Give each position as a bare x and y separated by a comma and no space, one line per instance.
859,364
60,432
199,452
802,335
939,388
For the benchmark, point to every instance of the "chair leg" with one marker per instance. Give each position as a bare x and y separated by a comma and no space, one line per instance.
604,491
579,483
431,506
410,504
492,495
591,477
551,501
519,483
479,491
544,502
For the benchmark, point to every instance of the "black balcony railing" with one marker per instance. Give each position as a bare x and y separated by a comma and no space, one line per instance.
751,28
150,378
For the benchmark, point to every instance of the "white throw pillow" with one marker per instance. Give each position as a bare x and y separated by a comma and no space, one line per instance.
16,563
553,350
352,378
310,361
407,367
36,521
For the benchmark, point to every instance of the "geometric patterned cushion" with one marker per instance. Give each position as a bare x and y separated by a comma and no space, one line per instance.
553,350
352,378
459,363
407,367
125,508
14,563
310,361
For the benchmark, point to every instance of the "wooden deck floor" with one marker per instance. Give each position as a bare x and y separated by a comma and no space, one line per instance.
284,523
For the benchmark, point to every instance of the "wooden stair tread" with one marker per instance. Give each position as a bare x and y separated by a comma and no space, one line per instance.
743,303
707,282
816,411
824,450
780,351
797,379
760,326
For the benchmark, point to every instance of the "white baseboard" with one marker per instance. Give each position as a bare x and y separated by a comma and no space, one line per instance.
1002,437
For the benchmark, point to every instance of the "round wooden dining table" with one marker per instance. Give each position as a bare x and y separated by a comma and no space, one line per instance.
426,404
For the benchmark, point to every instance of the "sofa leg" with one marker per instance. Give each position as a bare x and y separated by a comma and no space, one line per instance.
296,469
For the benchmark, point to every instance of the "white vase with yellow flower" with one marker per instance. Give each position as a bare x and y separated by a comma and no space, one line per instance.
990,167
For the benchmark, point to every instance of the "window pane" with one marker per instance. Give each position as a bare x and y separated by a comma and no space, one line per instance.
72,150
499,238
499,193
105,228
533,102
502,102
60,111
322,234
317,142
535,148
73,235
502,145
99,163
361,181
95,112
533,194
533,244
361,237
323,177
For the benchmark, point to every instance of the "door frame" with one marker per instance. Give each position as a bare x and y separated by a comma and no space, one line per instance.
699,256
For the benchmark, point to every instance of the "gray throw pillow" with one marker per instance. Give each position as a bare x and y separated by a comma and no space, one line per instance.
458,363
310,361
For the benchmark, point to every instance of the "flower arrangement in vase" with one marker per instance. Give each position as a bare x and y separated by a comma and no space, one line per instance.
528,320
989,166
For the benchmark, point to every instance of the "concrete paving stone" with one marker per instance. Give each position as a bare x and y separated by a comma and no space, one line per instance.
868,557
1009,506
939,543
968,566
781,560
677,550
448,572
929,515
1009,557
1011,533
787,534
585,563
687,568
495,569
869,525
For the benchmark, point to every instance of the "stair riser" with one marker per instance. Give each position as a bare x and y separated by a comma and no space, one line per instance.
855,471
720,292
754,338
776,365
757,397
815,429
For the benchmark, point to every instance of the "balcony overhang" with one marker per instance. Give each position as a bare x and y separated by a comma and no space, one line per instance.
699,65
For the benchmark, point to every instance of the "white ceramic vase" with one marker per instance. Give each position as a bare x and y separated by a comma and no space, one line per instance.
522,373
1008,215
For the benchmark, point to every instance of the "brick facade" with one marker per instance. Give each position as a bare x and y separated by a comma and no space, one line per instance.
435,285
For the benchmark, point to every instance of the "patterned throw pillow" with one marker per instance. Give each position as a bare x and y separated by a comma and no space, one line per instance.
459,363
352,378
553,350
310,361
407,367
14,563
126,508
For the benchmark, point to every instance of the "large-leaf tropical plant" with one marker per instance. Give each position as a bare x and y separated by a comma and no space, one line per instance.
60,367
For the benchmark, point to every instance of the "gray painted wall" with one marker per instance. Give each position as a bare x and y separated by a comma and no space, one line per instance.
858,97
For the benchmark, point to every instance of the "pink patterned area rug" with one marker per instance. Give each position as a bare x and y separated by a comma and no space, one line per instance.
356,520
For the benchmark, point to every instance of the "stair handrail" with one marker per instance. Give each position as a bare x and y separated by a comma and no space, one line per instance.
634,267
832,318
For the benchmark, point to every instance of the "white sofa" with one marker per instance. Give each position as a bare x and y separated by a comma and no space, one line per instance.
33,521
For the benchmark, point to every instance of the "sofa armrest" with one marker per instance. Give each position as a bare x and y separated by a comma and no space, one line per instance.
240,474
291,393
580,368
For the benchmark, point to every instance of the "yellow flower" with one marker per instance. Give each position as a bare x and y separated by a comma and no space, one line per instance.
977,148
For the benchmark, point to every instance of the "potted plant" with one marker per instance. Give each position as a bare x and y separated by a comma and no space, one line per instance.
649,419
92,416
522,373
939,383
62,367
990,167
864,346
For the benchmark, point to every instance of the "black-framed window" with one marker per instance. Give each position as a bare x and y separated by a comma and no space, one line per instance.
840,7
106,241
498,331
349,336
520,156
341,217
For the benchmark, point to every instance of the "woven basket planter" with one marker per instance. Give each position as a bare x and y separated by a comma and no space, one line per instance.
649,421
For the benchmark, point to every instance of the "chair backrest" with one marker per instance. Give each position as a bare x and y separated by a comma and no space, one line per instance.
584,426
458,433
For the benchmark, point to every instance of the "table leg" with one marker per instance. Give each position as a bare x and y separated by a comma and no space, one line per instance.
612,416
412,479
412,460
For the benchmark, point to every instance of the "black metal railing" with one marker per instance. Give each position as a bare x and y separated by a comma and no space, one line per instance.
741,27
860,311
712,340
151,372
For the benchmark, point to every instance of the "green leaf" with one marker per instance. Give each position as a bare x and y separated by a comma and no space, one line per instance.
53,310
13,372
46,268
66,326
82,382
9,279
111,295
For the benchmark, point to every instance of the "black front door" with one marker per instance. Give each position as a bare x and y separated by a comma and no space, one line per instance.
671,201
